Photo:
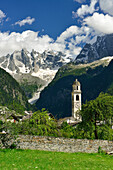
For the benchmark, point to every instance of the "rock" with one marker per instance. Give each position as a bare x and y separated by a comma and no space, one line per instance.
110,153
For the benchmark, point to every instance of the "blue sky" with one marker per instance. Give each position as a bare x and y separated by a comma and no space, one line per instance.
51,16
59,25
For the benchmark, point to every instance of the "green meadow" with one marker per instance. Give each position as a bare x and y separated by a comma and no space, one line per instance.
33,159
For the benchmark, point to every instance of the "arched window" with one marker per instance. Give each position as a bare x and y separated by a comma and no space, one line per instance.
77,97
77,87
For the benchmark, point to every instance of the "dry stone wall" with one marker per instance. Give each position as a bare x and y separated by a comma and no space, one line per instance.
59,144
63,144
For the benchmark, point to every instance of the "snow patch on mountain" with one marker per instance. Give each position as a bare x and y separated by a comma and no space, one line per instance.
35,63
43,66
108,59
46,74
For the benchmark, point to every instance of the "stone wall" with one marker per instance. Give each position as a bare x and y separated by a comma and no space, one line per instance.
57,144
62,144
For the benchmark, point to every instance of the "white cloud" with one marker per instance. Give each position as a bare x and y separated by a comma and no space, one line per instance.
80,1
72,37
73,31
100,23
2,15
85,9
69,32
28,39
107,6
74,14
68,42
9,42
27,20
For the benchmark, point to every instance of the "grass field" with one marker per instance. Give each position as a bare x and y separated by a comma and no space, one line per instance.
28,159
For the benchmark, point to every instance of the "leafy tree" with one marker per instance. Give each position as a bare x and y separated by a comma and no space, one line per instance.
97,116
67,130
40,117
39,124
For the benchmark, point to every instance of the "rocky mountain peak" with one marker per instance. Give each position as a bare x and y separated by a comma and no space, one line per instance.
103,47
26,62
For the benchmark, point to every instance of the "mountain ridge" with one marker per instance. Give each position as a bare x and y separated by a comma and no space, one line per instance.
27,62
103,47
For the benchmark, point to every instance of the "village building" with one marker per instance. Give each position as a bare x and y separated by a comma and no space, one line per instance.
76,106
76,100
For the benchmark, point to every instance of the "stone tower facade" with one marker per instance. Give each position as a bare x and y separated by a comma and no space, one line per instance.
76,100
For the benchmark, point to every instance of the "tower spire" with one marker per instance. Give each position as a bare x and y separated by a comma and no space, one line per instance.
76,99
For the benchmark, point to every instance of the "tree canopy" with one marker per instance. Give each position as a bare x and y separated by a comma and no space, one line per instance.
97,117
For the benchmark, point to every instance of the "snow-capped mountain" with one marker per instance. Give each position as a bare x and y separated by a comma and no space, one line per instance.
42,67
26,62
103,47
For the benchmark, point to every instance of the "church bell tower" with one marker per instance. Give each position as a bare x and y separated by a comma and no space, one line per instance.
76,100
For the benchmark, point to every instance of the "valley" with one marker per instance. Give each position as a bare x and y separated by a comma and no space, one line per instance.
56,84
52,84
47,78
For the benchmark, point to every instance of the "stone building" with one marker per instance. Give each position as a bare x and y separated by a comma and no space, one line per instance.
76,100
76,106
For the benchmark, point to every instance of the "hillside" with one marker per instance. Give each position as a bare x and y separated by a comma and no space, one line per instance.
94,77
11,95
